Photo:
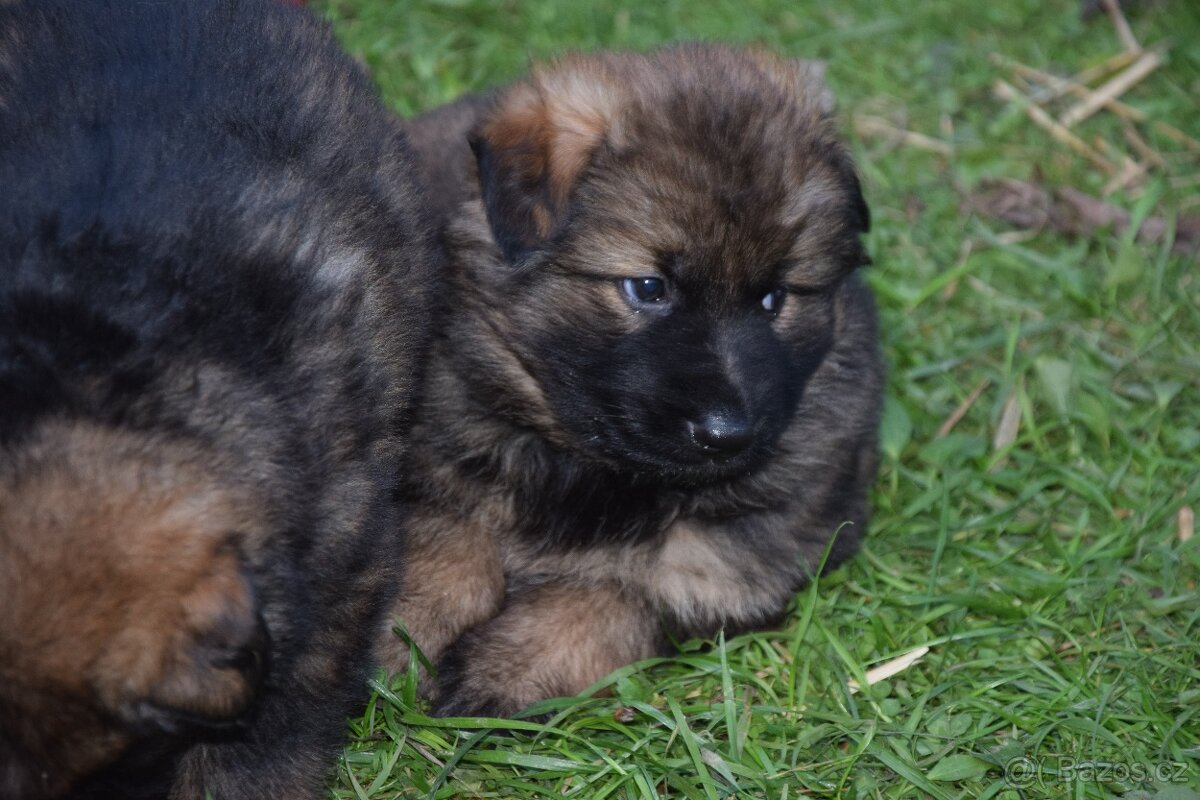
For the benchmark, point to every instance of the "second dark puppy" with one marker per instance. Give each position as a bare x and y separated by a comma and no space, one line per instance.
657,396
215,293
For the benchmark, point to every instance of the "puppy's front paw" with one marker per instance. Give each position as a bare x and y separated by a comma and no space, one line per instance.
552,640
129,612
210,666
472,684
128,591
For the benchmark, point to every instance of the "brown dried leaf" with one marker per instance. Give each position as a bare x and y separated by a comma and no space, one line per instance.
1070,211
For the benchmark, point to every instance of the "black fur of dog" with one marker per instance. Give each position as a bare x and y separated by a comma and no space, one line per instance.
215,292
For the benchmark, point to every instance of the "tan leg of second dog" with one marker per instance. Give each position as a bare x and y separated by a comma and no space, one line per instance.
551,640
453,581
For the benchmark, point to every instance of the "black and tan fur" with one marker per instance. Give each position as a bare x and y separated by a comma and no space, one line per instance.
214,299
572,512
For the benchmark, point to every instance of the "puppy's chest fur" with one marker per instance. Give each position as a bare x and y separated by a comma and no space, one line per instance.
698,557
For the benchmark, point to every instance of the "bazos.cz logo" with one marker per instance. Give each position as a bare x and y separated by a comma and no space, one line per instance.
1024,772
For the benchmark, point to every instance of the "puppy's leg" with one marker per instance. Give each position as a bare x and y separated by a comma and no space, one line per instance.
127,601
453,581
551,640
286,750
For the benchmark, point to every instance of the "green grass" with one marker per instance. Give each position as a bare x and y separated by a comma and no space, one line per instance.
1046,577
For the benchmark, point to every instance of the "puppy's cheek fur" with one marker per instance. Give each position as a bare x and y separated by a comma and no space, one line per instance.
551,640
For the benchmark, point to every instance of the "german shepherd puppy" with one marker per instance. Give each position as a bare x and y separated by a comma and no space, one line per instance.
655,403
214,293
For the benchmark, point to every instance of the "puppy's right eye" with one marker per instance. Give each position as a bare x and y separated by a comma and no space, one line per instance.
773,300
643,291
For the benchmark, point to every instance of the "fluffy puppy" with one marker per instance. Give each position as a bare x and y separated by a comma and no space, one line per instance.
656,399
214,287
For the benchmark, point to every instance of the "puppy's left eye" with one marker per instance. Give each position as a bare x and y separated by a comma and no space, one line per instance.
773,301
644,290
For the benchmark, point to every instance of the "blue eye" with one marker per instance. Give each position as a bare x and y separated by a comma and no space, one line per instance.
644,290
773,301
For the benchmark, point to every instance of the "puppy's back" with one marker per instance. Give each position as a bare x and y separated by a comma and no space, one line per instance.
215,286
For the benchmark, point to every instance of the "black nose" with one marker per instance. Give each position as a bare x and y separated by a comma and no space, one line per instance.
722,435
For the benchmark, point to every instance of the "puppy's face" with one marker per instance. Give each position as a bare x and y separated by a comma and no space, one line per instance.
676,229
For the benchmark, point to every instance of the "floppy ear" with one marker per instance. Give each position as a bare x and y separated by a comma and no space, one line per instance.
534,146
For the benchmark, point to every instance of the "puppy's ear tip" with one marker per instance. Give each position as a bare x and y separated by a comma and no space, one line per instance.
814,69
813,72
531,149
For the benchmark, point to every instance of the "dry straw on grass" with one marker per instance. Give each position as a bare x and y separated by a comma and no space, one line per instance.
1095,90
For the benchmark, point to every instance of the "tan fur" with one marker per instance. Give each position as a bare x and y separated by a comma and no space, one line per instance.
687,571
694,577
581,109
555,640
457,583
549,128
124,587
